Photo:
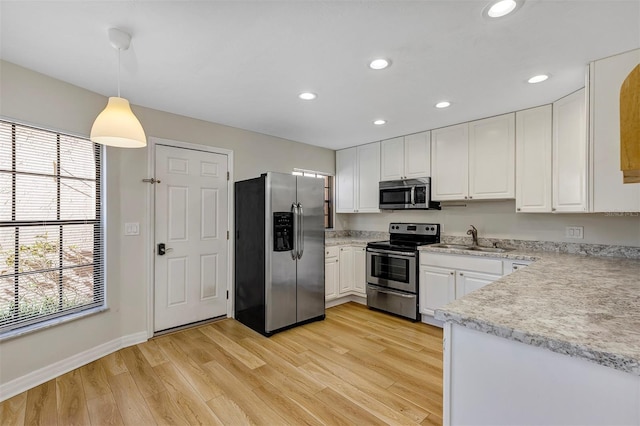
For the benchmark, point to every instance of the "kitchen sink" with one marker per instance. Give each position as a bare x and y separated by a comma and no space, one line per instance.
452,246
472,248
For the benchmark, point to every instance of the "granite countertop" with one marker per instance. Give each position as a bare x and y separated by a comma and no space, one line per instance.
349,241
582,306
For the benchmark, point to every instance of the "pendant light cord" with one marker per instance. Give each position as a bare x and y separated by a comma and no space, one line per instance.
119,72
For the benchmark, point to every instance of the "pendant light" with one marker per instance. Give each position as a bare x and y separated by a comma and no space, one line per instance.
116,125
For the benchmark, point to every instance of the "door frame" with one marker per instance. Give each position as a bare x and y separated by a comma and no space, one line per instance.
151,219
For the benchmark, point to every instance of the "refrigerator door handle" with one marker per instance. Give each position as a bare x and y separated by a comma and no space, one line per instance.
294,250
300,230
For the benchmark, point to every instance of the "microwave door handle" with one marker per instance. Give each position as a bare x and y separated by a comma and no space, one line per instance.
413,195
300,230
294,250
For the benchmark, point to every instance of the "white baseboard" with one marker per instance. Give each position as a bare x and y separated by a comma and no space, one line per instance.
51,371
348,298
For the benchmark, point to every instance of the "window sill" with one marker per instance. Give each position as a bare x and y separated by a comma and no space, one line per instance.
51,323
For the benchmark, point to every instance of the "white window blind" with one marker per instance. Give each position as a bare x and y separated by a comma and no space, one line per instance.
51,236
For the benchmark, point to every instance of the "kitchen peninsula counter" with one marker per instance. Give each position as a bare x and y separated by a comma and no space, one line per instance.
586,308
581,306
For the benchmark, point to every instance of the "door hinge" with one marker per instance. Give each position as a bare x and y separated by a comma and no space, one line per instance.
227,235
227,175
227,294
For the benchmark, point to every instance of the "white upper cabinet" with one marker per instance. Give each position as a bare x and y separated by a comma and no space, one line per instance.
406,157
608,193
533,160
417,155
357,178
392,159
569,190
492,158
474,160
449,163
346,180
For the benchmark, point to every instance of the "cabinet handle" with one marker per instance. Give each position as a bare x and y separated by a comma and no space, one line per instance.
461,274
451,273
465,197
336,260
470,197
553,209
518,209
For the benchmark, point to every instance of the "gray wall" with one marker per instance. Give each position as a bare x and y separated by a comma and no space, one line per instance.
33,98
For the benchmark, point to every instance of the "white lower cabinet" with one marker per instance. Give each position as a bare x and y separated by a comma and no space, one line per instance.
331,273
469,281
437,288
360,270
447,277
345,272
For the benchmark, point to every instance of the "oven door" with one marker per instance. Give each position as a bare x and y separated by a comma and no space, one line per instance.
390,269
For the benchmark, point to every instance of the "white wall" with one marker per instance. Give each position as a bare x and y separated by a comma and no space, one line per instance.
498,219
46,102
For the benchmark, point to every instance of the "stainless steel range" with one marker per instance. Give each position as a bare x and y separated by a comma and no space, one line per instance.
392,268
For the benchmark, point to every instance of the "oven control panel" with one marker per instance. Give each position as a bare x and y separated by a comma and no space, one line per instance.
415,228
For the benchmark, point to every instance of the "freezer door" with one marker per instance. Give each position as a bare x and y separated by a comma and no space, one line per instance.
280,268
311,248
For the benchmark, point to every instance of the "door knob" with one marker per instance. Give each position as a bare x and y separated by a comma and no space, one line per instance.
162,249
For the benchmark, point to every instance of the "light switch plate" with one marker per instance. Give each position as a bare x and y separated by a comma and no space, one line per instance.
576,232
132,228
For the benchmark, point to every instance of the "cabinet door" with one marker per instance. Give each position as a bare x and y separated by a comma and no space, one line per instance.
331,277
346,180
606,77
392,159
570,153
449,163
346,270
417,155
360,270
533,160
467,282
492,158
437,288
368,178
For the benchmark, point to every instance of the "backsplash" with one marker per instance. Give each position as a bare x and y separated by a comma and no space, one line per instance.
558,247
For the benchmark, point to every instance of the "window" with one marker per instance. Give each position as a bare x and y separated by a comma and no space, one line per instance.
51,251
328,193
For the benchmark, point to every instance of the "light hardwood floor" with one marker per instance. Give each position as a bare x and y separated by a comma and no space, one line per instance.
357,367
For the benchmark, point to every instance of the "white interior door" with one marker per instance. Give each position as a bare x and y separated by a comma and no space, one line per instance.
191,220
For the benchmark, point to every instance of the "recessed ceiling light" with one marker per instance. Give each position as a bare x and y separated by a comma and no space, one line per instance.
500,8
443,104
538,78
379,64
307,96
380,122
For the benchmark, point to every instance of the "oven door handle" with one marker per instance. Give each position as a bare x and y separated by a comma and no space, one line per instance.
395,293
390,253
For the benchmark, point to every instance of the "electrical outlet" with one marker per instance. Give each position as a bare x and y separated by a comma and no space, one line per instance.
132,228
574,232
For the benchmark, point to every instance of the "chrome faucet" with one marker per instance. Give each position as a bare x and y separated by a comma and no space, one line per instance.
474,234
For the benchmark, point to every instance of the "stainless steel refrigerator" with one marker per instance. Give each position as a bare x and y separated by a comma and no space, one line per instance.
279,251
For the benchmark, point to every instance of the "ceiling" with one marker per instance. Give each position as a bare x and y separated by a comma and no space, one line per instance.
243,63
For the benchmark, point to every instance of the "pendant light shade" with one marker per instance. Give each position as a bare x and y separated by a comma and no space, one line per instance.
116,125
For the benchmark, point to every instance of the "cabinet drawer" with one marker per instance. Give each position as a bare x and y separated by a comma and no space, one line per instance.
332,251
469,263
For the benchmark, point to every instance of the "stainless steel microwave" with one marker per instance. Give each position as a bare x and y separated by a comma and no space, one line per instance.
406,194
